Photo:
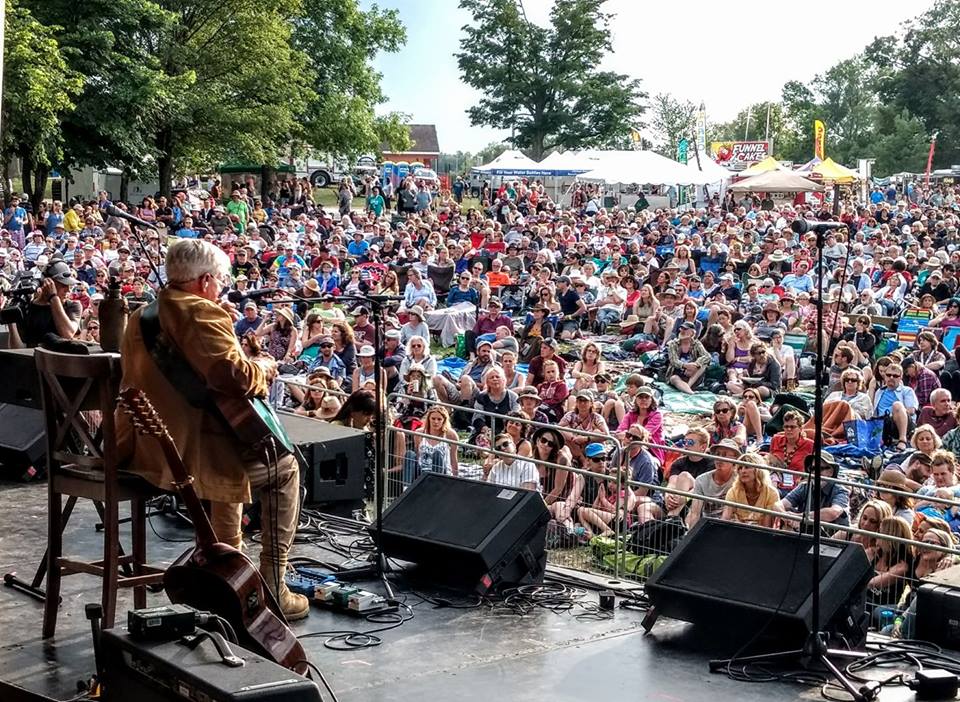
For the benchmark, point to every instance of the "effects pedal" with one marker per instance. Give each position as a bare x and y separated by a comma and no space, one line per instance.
322,588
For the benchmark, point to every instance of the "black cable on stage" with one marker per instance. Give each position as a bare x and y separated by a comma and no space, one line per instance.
323,678
349,640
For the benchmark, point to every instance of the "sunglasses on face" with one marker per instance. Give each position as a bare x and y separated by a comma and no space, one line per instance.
548,443
722,410
504,447
326,346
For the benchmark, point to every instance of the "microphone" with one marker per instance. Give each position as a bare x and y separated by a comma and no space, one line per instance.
115,211
802,226
237,296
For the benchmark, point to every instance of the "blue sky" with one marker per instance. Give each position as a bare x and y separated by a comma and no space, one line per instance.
724,57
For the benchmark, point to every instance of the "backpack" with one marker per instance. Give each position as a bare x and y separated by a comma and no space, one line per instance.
656,537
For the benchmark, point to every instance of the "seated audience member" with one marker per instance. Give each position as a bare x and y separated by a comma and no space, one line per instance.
752,488
789,449
871,514
725,424
610,504
851,392
892,562
940,413
511,471
897,404
715,483
902,505
834,499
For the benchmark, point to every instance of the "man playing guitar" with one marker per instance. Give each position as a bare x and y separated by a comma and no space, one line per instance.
209,367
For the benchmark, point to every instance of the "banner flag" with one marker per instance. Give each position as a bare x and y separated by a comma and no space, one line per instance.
819,139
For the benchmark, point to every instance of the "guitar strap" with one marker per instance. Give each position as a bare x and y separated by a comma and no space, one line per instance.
171,362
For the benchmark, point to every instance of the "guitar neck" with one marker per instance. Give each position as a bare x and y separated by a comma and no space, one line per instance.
184,484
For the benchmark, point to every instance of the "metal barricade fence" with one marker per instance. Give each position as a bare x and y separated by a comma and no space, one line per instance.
563,545
633,551
894,557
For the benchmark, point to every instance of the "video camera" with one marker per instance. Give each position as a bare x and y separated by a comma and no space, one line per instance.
19,296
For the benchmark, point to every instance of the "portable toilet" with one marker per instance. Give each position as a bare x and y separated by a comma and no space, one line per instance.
386,174
402,169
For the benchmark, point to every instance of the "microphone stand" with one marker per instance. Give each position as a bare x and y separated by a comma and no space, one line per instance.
815,647
378,305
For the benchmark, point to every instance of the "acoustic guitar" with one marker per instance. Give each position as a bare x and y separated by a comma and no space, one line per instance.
213,576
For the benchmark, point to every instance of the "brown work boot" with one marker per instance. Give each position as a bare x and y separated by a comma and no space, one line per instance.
293,606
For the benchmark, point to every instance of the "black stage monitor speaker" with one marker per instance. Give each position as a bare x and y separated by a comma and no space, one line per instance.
737,579
22,438
468,534
335,458
938,608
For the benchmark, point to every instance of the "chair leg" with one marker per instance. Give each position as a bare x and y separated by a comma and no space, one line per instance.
55,524
111,561
138,525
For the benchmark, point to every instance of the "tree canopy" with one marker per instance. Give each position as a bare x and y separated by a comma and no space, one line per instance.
171,86
542,83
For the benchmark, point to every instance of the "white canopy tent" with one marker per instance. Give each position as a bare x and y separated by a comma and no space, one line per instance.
645,167
511,163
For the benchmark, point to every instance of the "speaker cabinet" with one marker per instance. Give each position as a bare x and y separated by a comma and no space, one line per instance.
468,534
737,578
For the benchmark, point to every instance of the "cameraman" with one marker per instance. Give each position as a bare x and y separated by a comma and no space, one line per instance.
49,310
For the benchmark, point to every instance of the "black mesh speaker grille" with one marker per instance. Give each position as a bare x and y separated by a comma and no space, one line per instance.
748,566
456,513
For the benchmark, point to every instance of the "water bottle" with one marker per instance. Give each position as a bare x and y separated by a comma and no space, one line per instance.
886,619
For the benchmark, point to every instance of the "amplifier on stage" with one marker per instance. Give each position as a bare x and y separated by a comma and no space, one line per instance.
172,672
938,608
335,458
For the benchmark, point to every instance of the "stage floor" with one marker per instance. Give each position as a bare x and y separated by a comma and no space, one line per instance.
441,654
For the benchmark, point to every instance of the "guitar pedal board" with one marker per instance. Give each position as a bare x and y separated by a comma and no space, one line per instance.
324,589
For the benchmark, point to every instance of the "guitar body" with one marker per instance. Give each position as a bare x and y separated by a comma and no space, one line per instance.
254,420
212,576
220,579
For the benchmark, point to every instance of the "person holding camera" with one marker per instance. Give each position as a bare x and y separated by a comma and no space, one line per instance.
49,310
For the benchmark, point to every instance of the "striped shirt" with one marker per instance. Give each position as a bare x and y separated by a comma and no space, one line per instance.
514,474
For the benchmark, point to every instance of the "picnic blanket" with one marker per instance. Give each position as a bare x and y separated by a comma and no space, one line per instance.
452,367
675,401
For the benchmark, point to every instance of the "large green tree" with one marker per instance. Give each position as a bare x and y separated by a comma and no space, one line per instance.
124,86
919,71
39,90
542,83
340,42
672,119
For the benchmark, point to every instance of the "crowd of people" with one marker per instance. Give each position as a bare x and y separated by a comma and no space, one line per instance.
601,326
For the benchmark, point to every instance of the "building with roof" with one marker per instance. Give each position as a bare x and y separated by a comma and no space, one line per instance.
424,147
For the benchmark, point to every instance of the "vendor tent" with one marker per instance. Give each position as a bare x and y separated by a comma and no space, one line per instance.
569,163
765,166
776,182
834,172
713,170
644,167
511,163
808,166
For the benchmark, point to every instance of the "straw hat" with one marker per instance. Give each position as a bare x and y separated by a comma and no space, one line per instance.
286,313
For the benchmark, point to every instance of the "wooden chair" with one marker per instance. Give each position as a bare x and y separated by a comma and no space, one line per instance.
82,462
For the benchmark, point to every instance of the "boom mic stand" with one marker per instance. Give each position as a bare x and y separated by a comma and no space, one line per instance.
814,649
378,305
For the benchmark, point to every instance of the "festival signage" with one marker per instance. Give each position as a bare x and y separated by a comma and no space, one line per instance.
701,130
819,139
682,147
739,154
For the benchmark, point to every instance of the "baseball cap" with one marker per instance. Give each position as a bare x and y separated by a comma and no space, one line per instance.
250,306
584,395
594,450
60,272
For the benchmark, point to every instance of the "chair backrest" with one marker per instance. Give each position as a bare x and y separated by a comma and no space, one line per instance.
71,387
441,277
401,270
